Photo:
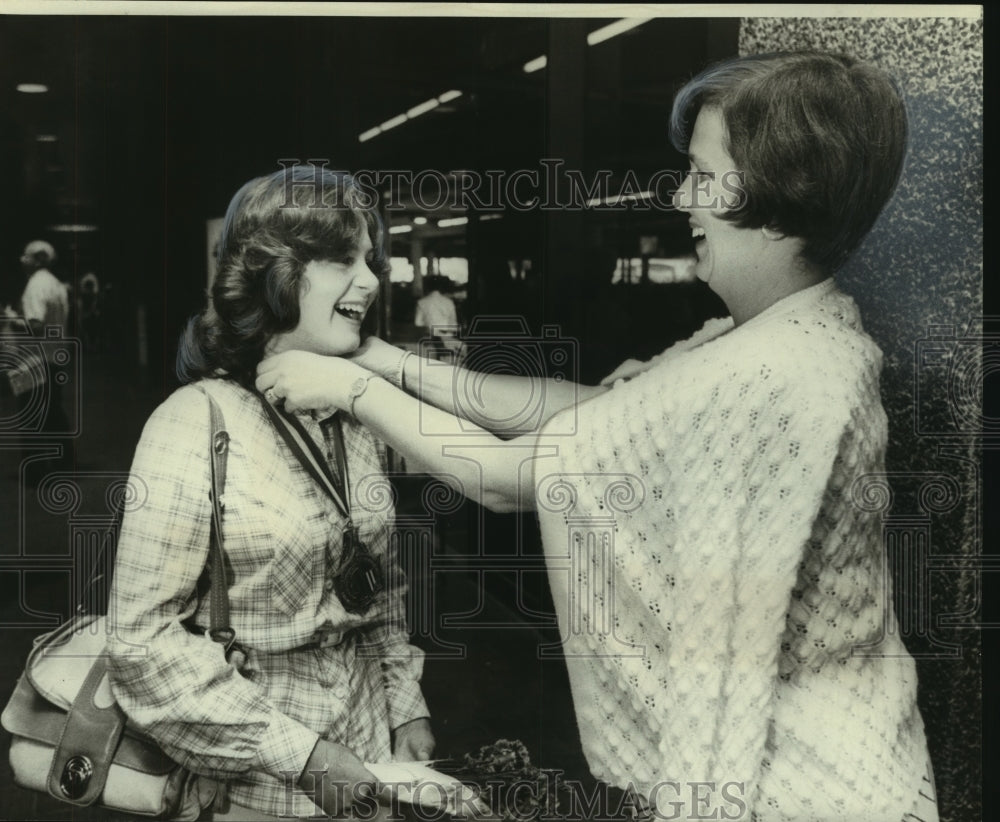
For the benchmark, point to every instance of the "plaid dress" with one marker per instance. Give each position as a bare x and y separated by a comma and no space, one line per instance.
312,669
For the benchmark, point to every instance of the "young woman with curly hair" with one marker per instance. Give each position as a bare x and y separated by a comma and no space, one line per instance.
328,680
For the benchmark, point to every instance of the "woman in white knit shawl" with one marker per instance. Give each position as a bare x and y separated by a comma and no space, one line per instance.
713,551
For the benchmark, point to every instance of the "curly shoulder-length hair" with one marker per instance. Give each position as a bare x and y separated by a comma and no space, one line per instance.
274,227
820,140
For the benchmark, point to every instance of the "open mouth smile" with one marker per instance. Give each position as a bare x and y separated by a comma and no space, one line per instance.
352,310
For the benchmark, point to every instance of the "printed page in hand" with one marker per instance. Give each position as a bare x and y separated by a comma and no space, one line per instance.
415,783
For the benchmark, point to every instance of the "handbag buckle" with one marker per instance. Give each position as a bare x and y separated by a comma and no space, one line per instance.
76,776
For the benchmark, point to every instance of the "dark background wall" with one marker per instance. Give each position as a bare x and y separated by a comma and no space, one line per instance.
918,280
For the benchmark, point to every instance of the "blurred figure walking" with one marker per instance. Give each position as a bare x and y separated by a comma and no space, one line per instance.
45,300
45,303
436,312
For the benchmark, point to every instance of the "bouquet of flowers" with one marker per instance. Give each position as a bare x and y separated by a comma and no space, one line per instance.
508,782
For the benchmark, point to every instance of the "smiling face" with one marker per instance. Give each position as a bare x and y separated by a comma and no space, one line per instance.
334,296
749,268
727,254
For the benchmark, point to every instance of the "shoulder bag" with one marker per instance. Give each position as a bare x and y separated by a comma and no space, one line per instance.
72,740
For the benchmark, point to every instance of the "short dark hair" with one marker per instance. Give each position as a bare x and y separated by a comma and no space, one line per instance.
274,227
439,283
820,139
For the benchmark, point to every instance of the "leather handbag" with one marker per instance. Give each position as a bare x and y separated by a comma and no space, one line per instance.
70,738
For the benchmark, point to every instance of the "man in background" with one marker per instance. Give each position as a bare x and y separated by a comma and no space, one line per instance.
436,312
45,300
44,303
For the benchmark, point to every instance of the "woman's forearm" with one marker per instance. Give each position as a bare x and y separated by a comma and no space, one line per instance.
501,403
496,473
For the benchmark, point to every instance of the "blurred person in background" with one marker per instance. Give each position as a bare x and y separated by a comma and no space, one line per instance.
89,311
45,300
45,304
436,312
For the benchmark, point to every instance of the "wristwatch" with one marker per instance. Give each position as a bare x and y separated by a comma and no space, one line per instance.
358,387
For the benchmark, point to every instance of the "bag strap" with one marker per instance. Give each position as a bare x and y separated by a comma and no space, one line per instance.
220,630
95,722
218,447
83,755
304,448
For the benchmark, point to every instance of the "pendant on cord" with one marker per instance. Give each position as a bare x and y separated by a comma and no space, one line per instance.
360,578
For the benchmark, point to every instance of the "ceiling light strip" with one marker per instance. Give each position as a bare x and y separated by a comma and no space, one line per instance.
410,114
595,37
614,29
536,65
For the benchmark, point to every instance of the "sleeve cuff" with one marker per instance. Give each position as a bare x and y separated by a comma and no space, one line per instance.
406,703
285,746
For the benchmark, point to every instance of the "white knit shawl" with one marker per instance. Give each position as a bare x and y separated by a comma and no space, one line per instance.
719,582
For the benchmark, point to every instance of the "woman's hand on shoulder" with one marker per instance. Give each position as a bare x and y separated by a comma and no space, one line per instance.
307,381
414,741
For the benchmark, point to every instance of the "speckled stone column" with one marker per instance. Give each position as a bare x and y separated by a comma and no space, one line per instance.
918,281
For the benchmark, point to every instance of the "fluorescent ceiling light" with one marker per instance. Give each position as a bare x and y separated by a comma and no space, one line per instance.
614,29
420,221
32,88
423,108
595,37
536,64
450,221
398,120
46,138
400,229
411,114
73,227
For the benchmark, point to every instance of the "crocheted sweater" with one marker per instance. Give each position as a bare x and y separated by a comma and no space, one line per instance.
718,573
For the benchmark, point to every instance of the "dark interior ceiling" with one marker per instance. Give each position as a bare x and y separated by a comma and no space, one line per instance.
232,94
157,120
